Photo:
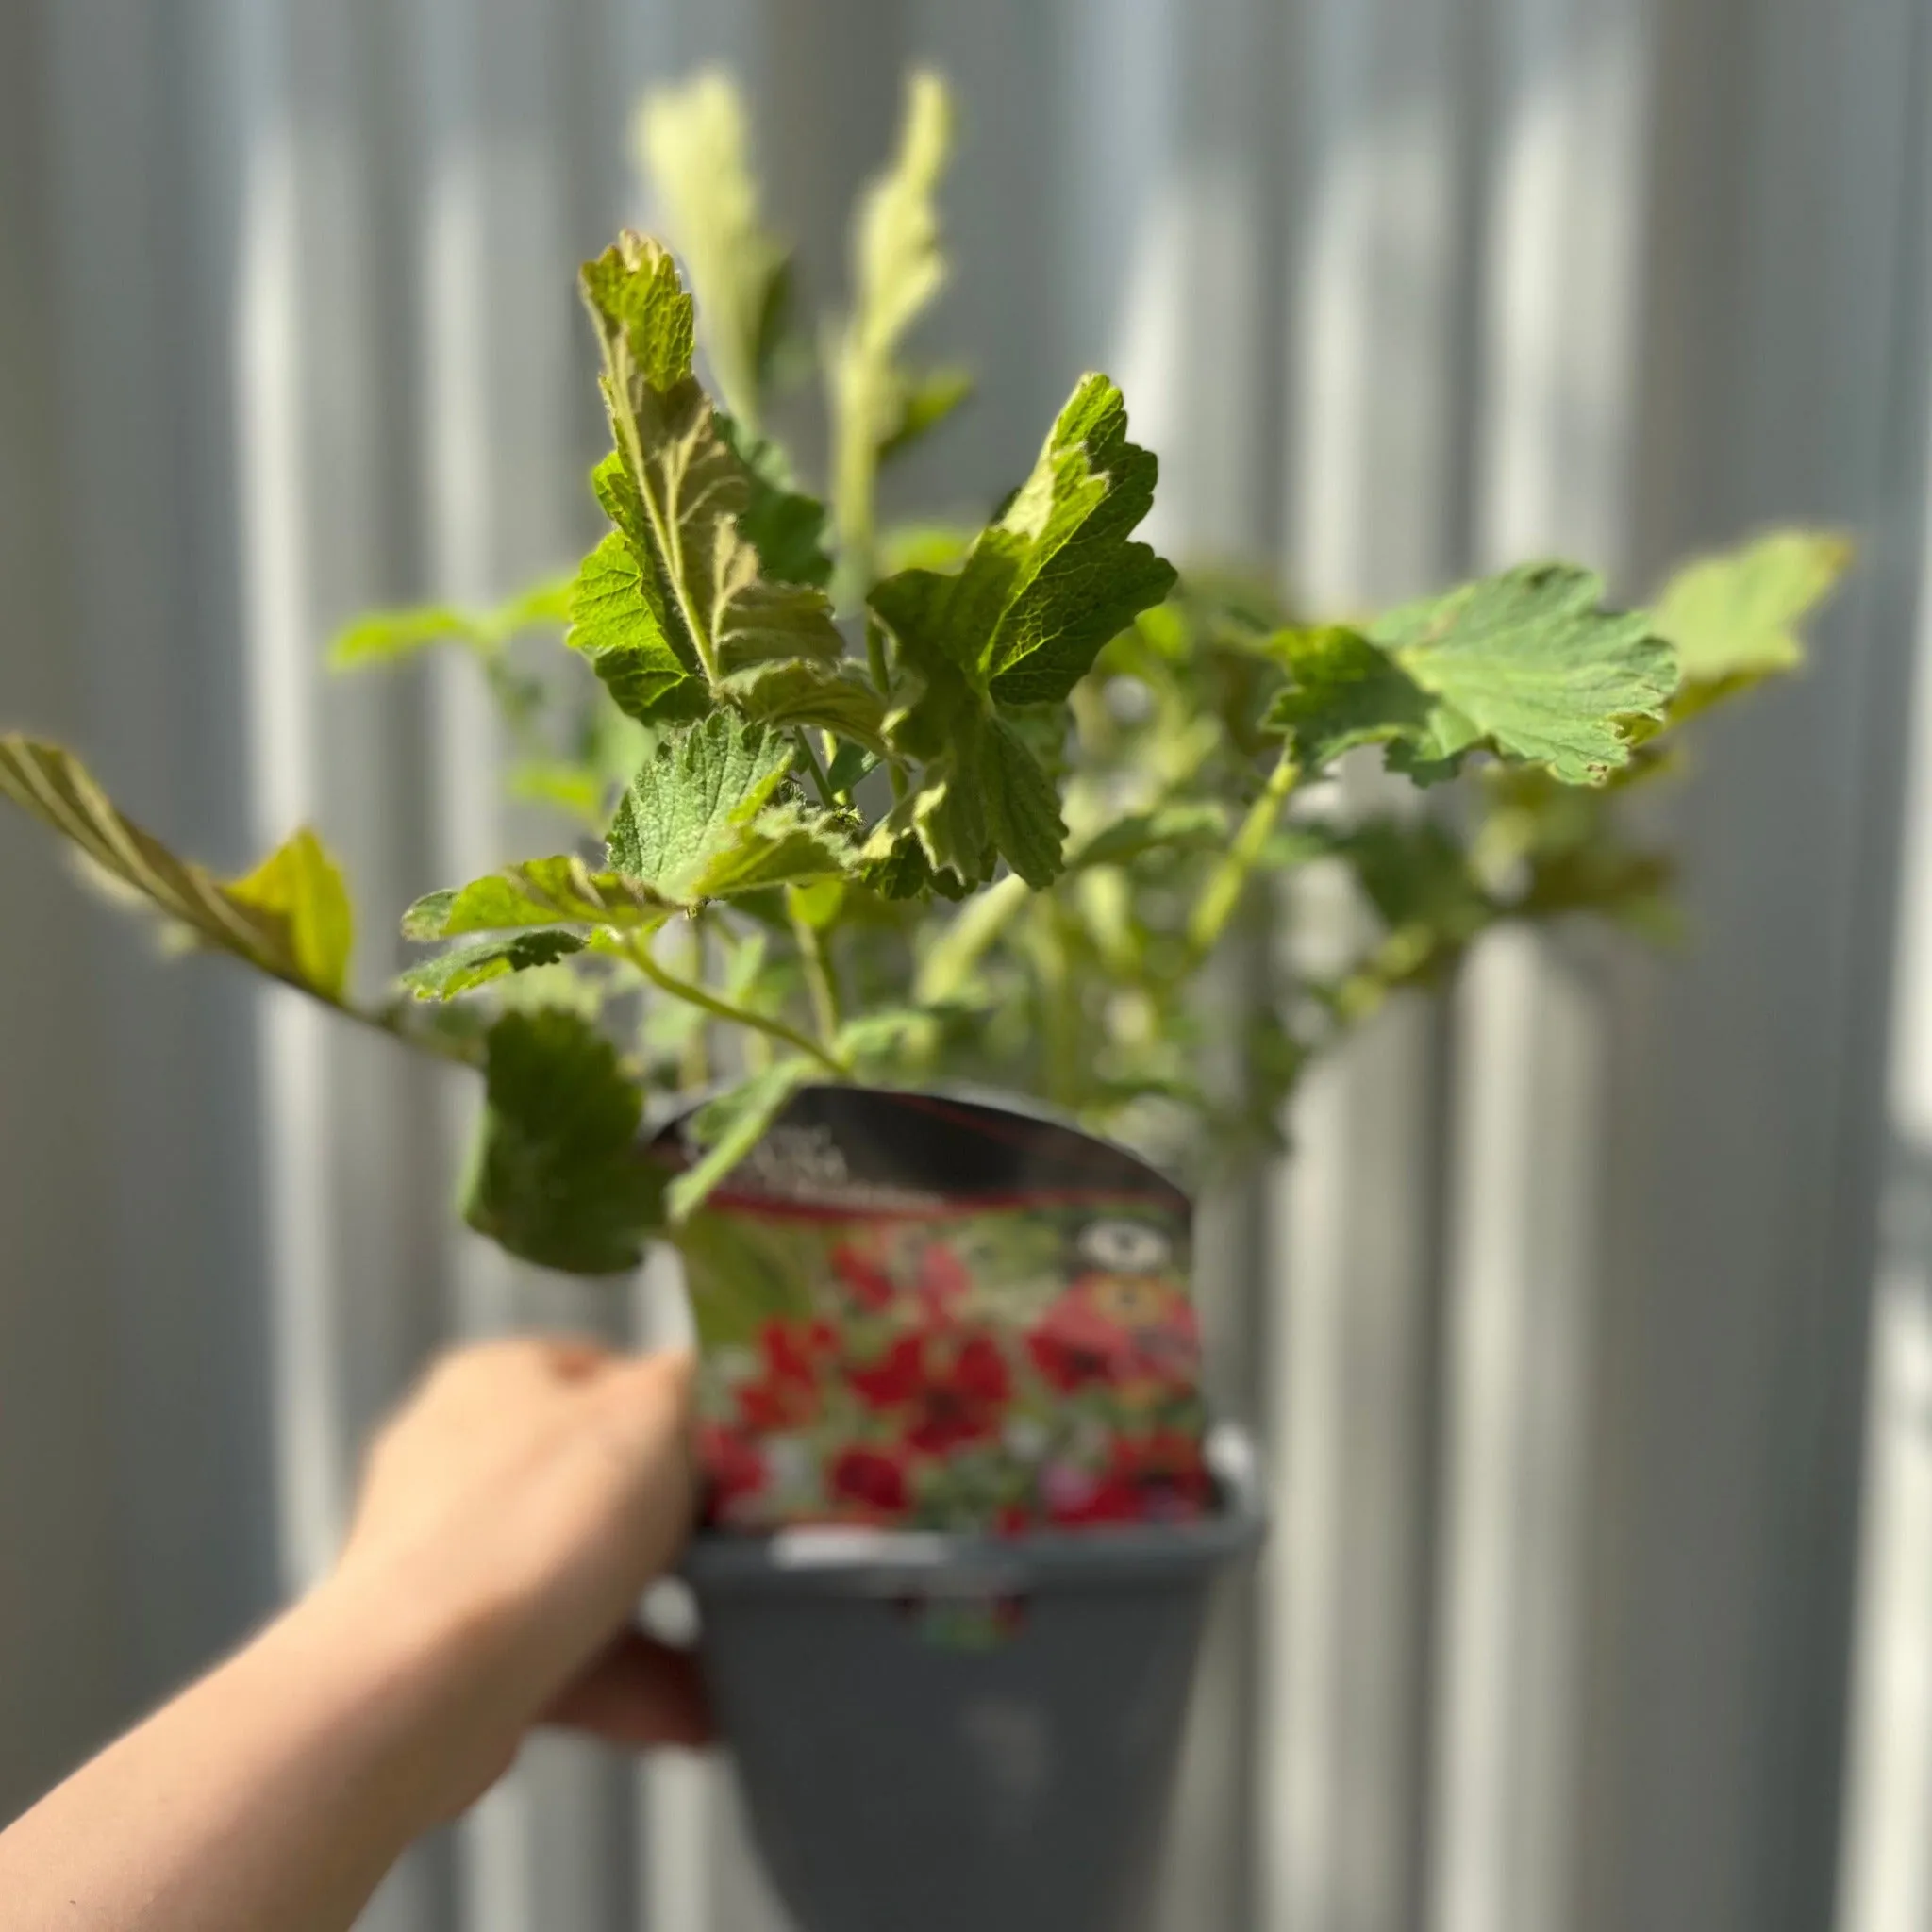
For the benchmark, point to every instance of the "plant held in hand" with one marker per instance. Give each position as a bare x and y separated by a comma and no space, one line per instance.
844,801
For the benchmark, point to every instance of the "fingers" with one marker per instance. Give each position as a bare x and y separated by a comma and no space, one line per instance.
647,1400
639,1693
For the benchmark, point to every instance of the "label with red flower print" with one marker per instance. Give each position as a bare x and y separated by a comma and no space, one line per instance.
920,1311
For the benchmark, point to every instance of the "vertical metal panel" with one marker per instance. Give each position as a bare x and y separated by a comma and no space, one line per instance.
1745,1093
1380,201
1552,1631
1885,1883
1564,180
59,1525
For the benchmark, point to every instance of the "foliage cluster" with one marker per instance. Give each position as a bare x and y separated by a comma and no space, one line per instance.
921,804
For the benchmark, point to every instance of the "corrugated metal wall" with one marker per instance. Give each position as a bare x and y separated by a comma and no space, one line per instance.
1555,1326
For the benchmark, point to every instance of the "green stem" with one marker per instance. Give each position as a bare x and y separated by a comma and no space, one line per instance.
817,770
1229,878
818,972
1058,1000
964,942
392,1022
703,997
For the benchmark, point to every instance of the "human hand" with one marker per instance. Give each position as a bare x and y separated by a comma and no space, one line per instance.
513,1512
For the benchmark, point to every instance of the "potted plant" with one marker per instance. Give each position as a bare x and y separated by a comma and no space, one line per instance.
888,808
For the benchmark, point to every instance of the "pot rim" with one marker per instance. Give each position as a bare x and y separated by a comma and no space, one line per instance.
844,1559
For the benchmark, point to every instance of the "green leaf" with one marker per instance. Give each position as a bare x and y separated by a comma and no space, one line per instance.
1734,617
926,401
834,697
301,886
1527,664
539,892
679,593
934,546
617,621
558,1177
728,1127
1022,812
693,142
787,527
566,784
894,864
1417,878
464,968
708,817
289,918
851,763
1019,625
1043,588
540,606
1342,691
1194,824
382,637
895,1039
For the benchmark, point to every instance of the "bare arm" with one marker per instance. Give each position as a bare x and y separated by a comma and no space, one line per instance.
511,1515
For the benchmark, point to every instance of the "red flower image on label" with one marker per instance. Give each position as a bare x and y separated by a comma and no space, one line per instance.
872,1479
1075,1346
943,1280
734,1468
1154,1479
1005,1365
1115,1328
788,1393
949,1388
864,1272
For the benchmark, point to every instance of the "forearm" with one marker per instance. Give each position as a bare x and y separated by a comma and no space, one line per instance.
275,1792
511,1515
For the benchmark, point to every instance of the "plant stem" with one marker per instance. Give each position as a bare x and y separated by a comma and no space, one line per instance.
1058,1000
818,972
639,950
1227,882
389,1022
960,947
817,770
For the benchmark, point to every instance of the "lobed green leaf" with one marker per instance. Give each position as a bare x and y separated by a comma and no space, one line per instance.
559,1176
1019,625
679,598
562,890
709,817
1733,617
463,969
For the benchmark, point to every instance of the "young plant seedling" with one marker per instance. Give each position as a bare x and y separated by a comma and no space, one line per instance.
916,804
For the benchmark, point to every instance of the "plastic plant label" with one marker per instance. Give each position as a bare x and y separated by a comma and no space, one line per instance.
916,1312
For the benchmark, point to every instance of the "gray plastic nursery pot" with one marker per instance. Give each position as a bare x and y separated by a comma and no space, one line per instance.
962,1733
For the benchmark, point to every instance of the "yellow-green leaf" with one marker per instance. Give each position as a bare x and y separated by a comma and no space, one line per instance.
289,918
1736,615
301,885
692,144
